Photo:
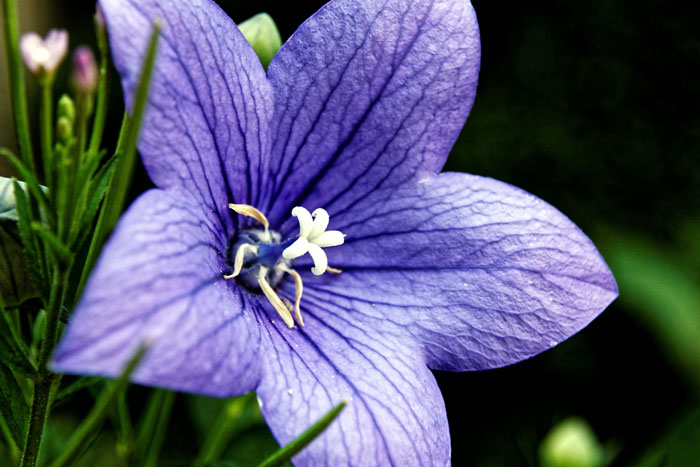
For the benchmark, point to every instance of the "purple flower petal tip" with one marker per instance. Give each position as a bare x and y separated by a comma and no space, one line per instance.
219,267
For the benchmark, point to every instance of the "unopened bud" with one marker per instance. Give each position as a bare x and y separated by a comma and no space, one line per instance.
66,107
64,129
571,443
84,75
262,34
42,56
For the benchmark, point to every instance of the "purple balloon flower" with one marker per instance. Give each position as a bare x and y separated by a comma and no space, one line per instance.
355,116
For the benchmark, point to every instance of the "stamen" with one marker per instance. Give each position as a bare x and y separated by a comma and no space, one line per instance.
240,257
250,211
274,299
299,289
333,270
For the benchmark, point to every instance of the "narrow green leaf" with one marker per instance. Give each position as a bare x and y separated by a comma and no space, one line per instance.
80,383
118,186
61,251
13,352
16,284
31,246
98,123
97,415
13,406
237,415
294,447
662,292
122,179
158,436
94,195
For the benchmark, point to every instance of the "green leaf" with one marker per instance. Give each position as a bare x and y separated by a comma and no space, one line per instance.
95,194
80,383
658,286
294,447
13,352
93,422
263,36
16,283
13,406
31,246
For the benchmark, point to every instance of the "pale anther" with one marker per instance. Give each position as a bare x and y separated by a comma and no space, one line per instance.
299,286
240,258
250,211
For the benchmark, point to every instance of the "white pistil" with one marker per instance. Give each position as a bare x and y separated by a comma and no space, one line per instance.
274,299
240,257
313,237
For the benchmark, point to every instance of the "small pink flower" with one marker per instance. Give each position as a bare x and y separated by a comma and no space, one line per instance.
44,54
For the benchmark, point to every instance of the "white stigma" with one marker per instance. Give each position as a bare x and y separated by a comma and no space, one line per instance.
313,237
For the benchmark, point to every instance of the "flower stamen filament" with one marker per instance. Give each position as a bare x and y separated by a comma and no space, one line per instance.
240,258
274,299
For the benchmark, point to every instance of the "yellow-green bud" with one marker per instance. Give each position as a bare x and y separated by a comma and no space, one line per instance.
263,35
571,443
66,108
64,129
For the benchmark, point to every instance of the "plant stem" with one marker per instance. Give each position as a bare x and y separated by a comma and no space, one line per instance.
96,417
226,425
18,99
46,131
98,123
46,381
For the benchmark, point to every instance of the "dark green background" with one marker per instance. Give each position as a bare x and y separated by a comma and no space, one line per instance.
592,106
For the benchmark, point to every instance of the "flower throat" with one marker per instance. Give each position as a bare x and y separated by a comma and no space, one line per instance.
260,258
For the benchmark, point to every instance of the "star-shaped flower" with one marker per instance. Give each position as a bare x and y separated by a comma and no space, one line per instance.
354,119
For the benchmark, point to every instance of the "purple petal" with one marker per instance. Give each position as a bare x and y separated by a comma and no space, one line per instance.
369,94
159,282
395,413
210,102
480,272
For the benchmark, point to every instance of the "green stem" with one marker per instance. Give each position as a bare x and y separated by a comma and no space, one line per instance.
18,98
158,437
102,229
115,197
44,385
97,415
295,446
227,424
98,123
46,130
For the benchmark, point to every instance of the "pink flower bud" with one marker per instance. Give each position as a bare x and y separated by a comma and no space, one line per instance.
44,55
84,74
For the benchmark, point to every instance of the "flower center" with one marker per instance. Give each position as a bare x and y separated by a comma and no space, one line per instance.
259,258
